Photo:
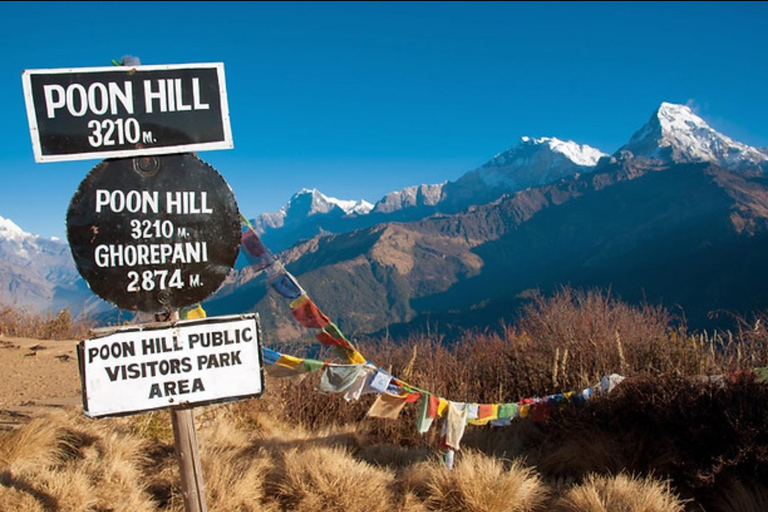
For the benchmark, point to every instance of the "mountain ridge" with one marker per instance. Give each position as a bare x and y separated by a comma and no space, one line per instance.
440,250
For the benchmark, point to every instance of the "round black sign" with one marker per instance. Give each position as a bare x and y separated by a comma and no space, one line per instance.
154,233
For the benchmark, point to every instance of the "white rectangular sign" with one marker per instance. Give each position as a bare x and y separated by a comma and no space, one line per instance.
193,362
126,111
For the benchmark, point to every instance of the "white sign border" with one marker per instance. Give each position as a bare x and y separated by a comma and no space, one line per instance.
34,131
173,326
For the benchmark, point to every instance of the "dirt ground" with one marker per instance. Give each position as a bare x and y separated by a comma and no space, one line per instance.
36,376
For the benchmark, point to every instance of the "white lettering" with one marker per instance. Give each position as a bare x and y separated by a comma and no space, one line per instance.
82,98
180,106
124,95
97,94
197,105
119,255
150,96
51,103
134,201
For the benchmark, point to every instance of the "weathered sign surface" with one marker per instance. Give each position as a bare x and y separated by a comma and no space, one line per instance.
192,362
86,113
154,233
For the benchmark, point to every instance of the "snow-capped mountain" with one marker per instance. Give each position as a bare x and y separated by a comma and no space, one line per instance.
533,162
312,202
417,195
48,257
307,203
674,134
33,269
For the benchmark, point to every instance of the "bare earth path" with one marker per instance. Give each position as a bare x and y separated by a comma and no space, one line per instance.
35,376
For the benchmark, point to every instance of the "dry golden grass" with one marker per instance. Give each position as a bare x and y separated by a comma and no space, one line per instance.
746,495
329,478
478,483
620,493
64,462
295,449
19,322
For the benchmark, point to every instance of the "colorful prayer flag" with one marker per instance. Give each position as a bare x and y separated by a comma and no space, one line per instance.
337,379
285,284
387,406
307,313
257,254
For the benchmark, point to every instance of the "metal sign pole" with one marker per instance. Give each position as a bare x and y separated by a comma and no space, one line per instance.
188,455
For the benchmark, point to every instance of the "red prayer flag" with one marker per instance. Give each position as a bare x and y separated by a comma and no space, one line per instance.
308,315
413,397
484,411
434,403
540,411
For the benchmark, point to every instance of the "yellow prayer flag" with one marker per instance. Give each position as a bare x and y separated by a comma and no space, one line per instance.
289,361
442,407
356,357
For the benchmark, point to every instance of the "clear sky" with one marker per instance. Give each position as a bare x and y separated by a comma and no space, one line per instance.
360,99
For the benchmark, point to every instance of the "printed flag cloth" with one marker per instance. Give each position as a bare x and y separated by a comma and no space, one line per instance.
285,284
485,414
289,361
270,356
455,423
307,313
442,407
257,254
293,367
380,381
540,411
192,312
427,412
360,385
337,379
332,336
388,406
506,413
434,407
282,372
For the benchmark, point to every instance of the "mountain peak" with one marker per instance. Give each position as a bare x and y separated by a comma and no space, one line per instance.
534,162
675,134
579,154
10,231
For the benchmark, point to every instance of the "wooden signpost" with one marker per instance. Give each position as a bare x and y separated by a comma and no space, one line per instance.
152,229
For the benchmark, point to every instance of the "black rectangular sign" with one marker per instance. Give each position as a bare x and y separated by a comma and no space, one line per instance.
124,111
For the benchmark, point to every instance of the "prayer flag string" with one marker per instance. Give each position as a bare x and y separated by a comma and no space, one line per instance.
359,376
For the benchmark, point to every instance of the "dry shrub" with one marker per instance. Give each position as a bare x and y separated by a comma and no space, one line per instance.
620,493
40,442
63,462
571,339
586,450
477,483
326,479
746,495
22,323
394,456
16,500
233,481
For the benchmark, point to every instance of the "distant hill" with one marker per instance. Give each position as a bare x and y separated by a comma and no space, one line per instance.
673,225
676,216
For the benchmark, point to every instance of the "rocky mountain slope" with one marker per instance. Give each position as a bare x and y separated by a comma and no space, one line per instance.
680,226
39,274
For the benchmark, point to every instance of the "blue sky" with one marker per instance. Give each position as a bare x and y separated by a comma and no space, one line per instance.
359,99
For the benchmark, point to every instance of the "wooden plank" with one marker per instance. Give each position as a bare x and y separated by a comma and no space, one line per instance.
188,455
